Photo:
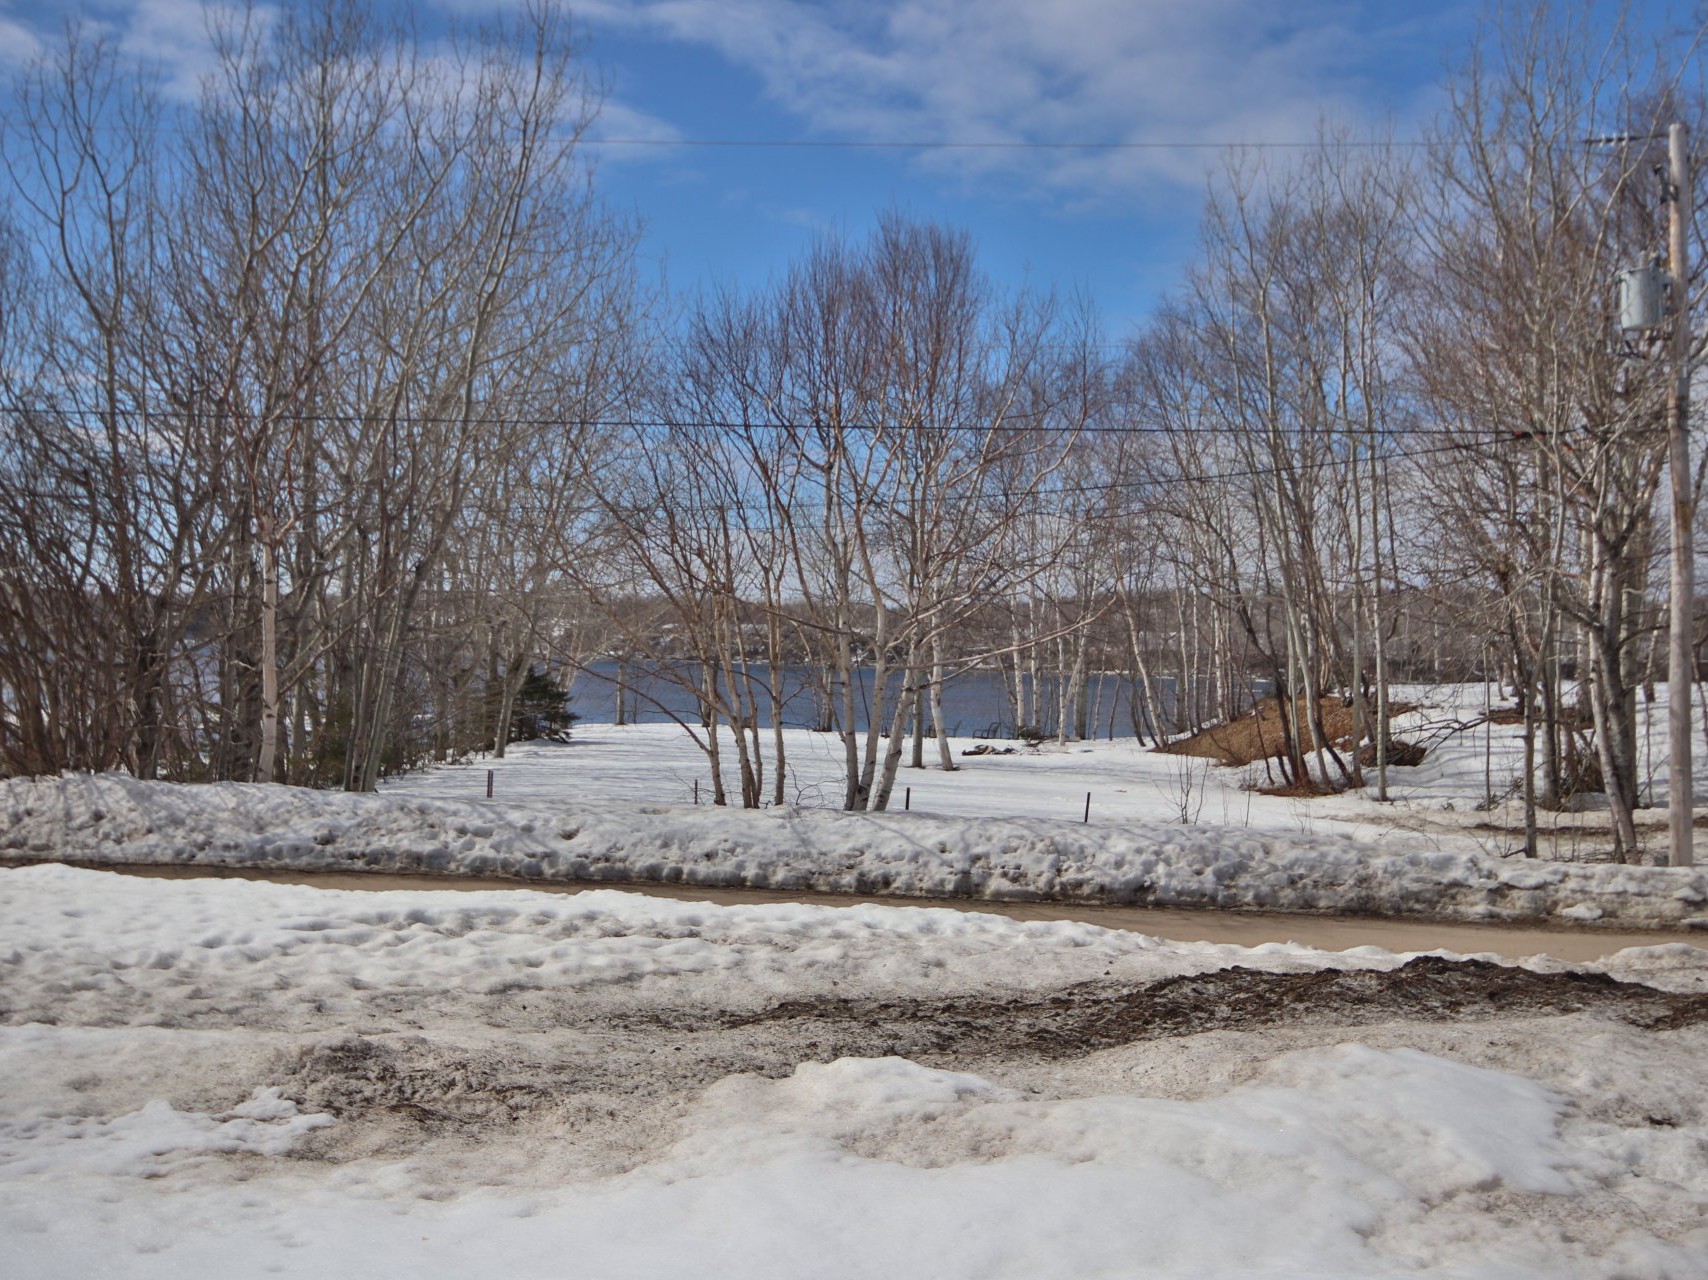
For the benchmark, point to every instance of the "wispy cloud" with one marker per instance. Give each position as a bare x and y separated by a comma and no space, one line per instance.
1136,72
1047,71
172,38
18,44
619,120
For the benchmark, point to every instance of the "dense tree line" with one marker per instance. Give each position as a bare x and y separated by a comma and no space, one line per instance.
273,367
335,412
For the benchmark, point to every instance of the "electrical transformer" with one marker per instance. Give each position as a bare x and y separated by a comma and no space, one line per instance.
1643,298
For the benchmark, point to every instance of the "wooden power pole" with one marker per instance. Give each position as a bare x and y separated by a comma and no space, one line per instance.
1681,672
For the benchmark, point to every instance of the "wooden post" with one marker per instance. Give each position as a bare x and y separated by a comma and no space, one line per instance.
489,784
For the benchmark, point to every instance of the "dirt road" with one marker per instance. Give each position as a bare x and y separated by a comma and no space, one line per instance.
1241,928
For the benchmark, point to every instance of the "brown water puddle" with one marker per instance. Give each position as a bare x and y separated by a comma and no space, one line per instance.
1241,928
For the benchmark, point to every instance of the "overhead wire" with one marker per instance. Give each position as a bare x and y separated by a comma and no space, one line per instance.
1150,482
925,144
166,125
731,425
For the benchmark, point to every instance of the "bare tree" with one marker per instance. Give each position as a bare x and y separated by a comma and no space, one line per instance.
1530,225
284,352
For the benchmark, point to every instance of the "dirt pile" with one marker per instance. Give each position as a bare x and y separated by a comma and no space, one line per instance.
1257,734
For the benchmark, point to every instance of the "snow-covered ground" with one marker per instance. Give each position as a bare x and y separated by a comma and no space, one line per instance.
222,1078
230,1079
562,812
1464,796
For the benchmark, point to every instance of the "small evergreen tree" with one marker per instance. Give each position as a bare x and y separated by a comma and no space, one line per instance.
542,708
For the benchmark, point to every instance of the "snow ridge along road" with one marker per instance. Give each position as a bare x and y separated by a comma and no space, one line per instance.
115,818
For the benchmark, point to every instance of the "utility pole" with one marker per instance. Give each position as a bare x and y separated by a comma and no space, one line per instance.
1680,658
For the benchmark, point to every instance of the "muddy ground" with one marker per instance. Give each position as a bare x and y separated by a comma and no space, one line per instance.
603,1090
519,1087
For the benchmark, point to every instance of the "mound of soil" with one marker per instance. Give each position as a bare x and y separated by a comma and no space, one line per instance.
1257,734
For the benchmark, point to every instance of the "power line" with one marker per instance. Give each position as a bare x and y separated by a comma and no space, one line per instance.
1254,473
854,144
1059,491
723,510
727,425
892,144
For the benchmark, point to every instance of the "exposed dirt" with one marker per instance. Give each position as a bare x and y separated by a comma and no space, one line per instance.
647,1054
1257,734
1570,717
1086,1019
410,1075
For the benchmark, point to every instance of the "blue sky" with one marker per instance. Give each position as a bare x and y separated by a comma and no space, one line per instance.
1118,225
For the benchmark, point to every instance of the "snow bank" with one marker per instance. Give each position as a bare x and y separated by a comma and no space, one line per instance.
1344,1162
114,819
100,949
148,1126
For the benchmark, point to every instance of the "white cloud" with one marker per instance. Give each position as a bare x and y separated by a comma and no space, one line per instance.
175,36
619,120
171,37
1205,72
18,44
1029,71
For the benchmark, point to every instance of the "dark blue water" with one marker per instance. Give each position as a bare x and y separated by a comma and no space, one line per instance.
975,703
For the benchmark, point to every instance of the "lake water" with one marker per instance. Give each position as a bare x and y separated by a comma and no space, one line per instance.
975,703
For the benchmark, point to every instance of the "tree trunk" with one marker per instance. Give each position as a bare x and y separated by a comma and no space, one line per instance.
266,763
945,757
905,702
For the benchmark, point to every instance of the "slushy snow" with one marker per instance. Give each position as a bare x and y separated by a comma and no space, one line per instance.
156,1032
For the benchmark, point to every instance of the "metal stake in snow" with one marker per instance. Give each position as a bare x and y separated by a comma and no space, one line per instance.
1087,817
489,784
907,799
